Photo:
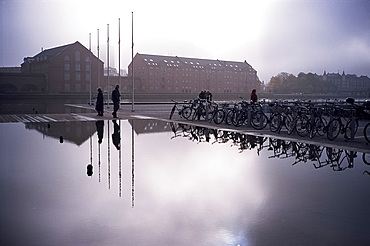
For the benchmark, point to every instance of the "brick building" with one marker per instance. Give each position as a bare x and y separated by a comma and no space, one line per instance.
172,74
67,68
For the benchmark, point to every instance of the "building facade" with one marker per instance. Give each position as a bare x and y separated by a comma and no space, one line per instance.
348,84
172,74
67,69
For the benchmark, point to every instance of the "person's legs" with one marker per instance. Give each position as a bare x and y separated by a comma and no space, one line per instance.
115,109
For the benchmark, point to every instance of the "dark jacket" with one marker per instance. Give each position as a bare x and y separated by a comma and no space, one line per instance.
116,95
99,101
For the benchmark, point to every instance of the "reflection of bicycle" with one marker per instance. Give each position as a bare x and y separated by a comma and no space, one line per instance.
367,132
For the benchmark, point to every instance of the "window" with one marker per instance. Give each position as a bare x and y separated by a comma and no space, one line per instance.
77,55
67,66
77,67
77,76
67,58
67,76
67,88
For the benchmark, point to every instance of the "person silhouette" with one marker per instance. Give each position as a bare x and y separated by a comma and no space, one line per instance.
100,103
253,97
116,136
116,98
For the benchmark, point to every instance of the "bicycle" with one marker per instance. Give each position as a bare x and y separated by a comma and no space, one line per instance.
259,119
183,111
281,116
316,123
336,126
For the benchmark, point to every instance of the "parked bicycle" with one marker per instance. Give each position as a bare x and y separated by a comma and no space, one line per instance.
181,109
344,122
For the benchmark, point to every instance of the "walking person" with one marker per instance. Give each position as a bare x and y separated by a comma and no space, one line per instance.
254,97
100,103
116,97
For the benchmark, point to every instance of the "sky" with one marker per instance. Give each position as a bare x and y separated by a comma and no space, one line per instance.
273,36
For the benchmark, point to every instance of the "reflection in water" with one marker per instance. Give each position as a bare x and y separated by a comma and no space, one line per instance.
116,136
120,163
108,157
296,152
132,163
337,159
100,129
90,165
195,189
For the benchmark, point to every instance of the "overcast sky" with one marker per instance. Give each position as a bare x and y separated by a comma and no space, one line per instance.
271,35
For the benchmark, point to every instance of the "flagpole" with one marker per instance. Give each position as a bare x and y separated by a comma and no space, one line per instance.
108,61
98,63
90,64
132,64
119,52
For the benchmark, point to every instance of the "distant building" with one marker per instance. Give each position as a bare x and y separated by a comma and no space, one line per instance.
172,74
348,84
10,69
67,69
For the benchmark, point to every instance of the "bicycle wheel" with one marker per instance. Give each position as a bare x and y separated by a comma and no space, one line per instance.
258,120
333,129
348,129
230,117
321,126
366,158
172,111
312,129
367,132
219,116
275,123
302,126
238,119
289,123
186,112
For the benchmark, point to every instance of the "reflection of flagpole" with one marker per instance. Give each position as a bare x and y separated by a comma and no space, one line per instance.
91,149
120,162
108,157
132,63
90,165
133,165
99,160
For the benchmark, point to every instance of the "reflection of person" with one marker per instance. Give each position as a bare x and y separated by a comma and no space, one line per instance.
99,103
116,136
100,129
116,99
254,97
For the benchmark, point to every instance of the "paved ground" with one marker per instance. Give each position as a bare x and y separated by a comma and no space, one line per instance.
162,112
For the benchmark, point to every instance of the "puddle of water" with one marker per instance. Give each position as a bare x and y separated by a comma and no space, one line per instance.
147,182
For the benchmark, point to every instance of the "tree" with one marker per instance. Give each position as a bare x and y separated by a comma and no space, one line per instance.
282,83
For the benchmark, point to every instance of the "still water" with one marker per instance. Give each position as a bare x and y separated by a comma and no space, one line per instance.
146,182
